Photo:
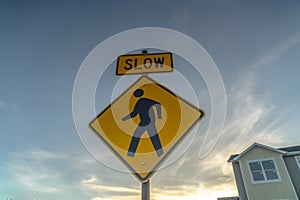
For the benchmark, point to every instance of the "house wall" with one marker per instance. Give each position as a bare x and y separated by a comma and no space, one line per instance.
294,172
239,181
267,191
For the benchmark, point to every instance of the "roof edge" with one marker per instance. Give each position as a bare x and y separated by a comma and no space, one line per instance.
236,158
294,153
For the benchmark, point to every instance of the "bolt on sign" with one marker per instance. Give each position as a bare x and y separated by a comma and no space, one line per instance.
144,63
144,125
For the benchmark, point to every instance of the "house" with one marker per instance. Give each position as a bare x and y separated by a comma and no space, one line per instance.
266,173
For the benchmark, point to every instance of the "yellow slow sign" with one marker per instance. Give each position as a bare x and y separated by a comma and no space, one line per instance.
144,63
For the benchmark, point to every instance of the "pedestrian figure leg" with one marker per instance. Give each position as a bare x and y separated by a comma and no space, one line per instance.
135,141
157,145
133,146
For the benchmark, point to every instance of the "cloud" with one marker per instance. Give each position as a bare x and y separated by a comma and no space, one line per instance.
7,105
182,19
114,197
182,192
32,171
277,51
38,154
253,117
104,191
43,172
199,191
93,184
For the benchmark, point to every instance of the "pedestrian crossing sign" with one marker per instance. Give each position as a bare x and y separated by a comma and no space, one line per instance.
144,125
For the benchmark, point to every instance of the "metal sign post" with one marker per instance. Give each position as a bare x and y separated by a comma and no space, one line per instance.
146,190
144,155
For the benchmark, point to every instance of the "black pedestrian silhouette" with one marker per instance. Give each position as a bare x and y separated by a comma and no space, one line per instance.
144,108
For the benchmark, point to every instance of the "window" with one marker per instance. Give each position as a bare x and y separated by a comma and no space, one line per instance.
263,171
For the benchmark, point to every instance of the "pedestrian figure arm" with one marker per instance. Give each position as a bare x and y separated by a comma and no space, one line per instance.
158,109
130,115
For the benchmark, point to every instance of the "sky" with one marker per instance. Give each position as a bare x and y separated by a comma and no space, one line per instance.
255,45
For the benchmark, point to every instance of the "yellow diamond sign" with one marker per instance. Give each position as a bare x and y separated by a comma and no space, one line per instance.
144,125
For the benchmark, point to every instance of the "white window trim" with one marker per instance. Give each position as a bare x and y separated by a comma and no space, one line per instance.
298,160
264,181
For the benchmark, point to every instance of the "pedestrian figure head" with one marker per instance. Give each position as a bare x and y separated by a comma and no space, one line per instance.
138,93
